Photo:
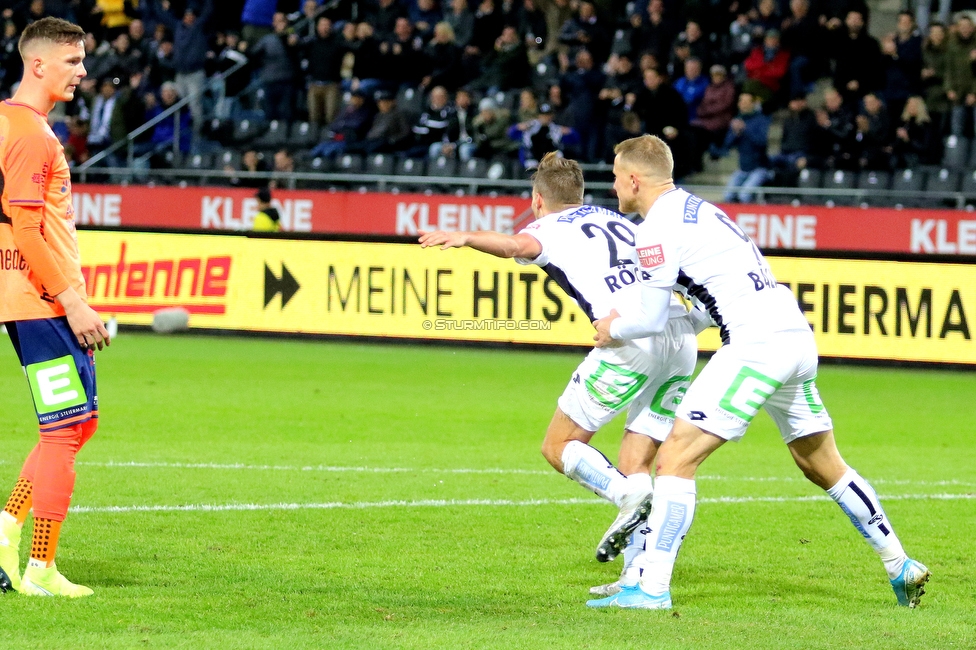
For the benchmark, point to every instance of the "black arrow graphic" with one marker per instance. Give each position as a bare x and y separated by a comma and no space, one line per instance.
287,285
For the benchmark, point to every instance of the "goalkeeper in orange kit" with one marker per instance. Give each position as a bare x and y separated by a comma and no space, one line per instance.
43,303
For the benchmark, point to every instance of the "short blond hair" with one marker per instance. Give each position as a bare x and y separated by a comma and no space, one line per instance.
558,180
649,154
53,30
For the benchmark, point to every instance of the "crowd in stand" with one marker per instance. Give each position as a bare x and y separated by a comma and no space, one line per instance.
518,78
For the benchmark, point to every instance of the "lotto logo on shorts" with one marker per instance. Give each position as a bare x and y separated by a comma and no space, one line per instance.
650,256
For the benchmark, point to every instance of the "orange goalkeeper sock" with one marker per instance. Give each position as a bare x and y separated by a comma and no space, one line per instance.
20,501
45,542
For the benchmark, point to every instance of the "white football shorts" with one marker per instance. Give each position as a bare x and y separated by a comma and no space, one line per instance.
648,377
779,373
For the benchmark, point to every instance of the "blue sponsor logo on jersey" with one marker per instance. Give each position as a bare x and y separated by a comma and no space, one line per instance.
585,211
673,523
692,205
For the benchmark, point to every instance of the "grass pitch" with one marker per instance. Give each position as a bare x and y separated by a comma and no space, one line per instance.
247,493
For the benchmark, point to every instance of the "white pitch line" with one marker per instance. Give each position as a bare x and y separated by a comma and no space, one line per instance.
446,503
432,470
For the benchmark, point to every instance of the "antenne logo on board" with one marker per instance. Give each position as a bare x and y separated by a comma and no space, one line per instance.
141,286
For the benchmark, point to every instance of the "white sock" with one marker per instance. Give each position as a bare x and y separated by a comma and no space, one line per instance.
634,555
674,509
592,470
858,500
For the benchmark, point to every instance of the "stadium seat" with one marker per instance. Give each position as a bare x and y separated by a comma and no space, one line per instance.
198,162
943,180
247,130
875,183
318,165
275,137
442,166
956,153
811,179
411,102
474,168
348,163
839,179
410,167
228,158
908,180
381,164
498,169
969,187
303,135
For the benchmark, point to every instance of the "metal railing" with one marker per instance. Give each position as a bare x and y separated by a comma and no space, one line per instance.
130,139
599,191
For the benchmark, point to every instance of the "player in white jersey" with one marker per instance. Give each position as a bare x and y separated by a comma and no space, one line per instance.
769,359
589,251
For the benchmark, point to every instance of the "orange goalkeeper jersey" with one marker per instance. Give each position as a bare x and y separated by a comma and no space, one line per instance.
37,219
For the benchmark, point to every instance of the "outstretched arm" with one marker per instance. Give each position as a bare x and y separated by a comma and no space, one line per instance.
647,317
493,243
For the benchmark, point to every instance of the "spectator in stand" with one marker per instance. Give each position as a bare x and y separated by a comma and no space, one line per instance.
164,134
873,135
540,136
749,133
274,55
367,65
402,56
803,39
304,22
857,58
834,136
586,31
490,133
103,106
766,67
764,17
652,31
901,56
556,12
583,85
443,58
76,147
959,78
121,60
389,130
507,66
461,21
665,115
114,16
528,108
692,86
162,67
436,126
488,25
250,162
923,9
11,65
799,128
424,15
189,51
532,28
383,18
230,54
96,57
934,61
349,127
324,53
692,43
618,96
256,19
917,138
283,166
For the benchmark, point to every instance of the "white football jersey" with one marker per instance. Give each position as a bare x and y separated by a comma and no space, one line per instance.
688,241
590,253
